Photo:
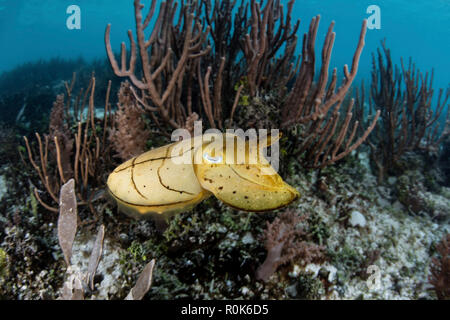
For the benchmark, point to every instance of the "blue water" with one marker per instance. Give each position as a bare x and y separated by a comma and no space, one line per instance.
34,29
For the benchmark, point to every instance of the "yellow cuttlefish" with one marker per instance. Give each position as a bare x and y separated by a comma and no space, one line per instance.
176,177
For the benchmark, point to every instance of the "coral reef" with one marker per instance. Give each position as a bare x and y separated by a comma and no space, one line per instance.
213,251
170,68
353,235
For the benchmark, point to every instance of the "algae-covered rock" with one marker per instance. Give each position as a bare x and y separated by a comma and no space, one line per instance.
3,188
3,263
413,194
306,287
258,112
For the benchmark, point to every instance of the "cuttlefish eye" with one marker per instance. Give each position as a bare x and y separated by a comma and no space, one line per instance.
211,159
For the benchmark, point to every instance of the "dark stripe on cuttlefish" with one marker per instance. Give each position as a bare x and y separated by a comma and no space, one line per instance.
162,183
153,159
132,180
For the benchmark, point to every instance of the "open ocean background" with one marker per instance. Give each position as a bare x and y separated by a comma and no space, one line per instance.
36,29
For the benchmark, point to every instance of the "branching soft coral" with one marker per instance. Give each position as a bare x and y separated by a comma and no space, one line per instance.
286,241
59,128
440,270
408,120
129,134
81,154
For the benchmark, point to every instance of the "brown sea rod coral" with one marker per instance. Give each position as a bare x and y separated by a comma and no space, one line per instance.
408,121
191,65
325,135
81,153
166,57
285,241
128,134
